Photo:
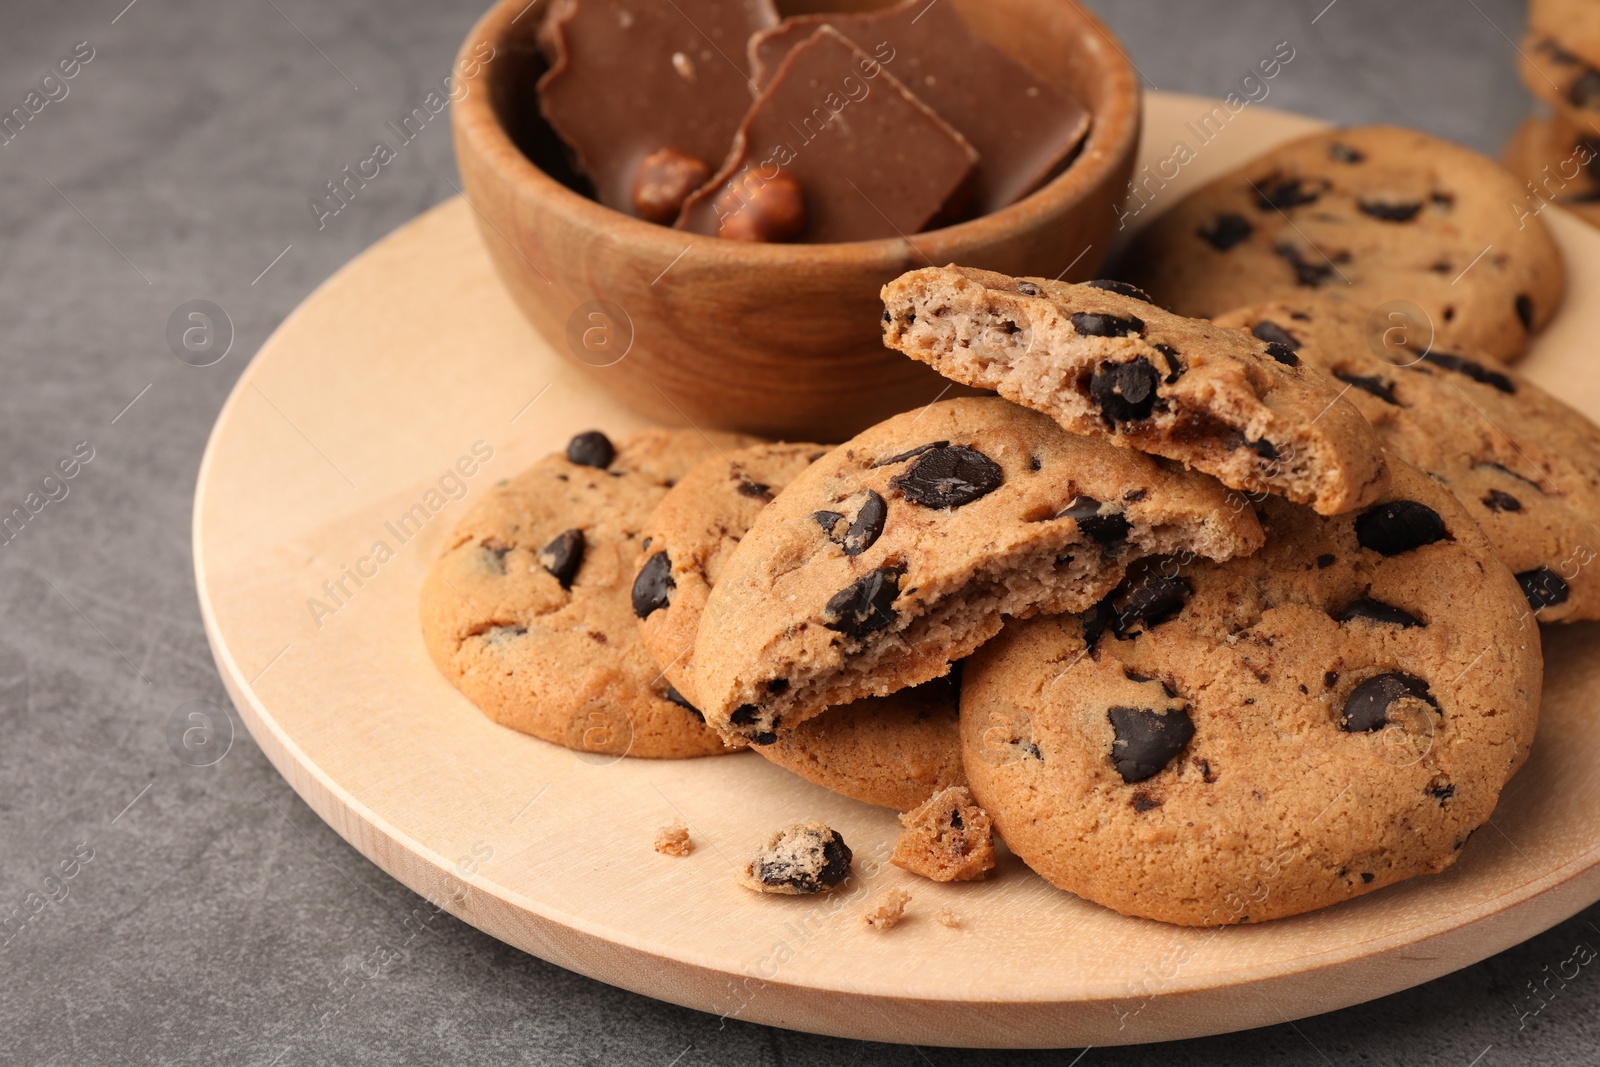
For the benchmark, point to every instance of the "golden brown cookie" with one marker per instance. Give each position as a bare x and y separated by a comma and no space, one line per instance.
527,611
1228,743
1370,216
893,751
1559,163
689,537
900,552
1525,466
1101,359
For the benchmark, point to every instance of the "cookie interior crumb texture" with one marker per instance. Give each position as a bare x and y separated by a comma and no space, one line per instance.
888,909
948,917
901,551
674,840
948,839
1103,360
799,860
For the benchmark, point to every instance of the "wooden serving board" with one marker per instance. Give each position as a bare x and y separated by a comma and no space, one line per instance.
331,480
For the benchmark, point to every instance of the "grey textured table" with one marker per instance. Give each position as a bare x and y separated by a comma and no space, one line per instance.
217,920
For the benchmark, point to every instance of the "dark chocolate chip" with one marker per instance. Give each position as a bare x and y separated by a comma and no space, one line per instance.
1543,587
1367,877
1175,367
861,534
1034,464
1107,529
1270,332
754,490
1441,791
1367,707
1330,679
1121,288
1399,526
1029,289
675,697
1343,153
1146,740
1263,448
563,556
1472,369
1370,384
1325,561
1283,354
1379,612
592,449
764,738
1125,392
1524,308
1280,195
1133,496
1094,324
1147,603
1387,212
744,715
1306,273
1496,500
1226,231
1585,91
778,686
652,589
1143,802
866,605
913,454
949,477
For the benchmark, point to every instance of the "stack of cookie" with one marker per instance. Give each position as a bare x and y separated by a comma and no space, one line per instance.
1221,614
1558,155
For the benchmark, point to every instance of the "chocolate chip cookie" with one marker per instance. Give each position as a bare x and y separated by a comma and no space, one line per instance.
899,552
892,751
1559,163
688,540
527,611
1329,716
1560,56
1369,216
1525,466
1102,359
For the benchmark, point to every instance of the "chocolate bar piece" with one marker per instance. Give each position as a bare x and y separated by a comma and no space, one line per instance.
835,149
1023,128
649,94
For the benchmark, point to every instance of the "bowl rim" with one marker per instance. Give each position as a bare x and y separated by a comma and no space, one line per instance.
1113,135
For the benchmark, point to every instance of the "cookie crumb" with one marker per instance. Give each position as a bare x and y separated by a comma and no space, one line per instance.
674,840
887,909
948,839
948,917
799,860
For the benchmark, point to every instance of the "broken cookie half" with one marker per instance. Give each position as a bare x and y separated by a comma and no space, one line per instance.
1102,359
903,550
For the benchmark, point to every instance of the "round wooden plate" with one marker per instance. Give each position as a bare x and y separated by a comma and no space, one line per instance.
333,475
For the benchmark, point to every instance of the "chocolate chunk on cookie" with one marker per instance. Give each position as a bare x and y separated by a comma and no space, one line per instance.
978,526
1397,216
1100,362
528,610
1285,740
1526,466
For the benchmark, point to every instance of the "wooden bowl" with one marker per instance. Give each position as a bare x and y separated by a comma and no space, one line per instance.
780,340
